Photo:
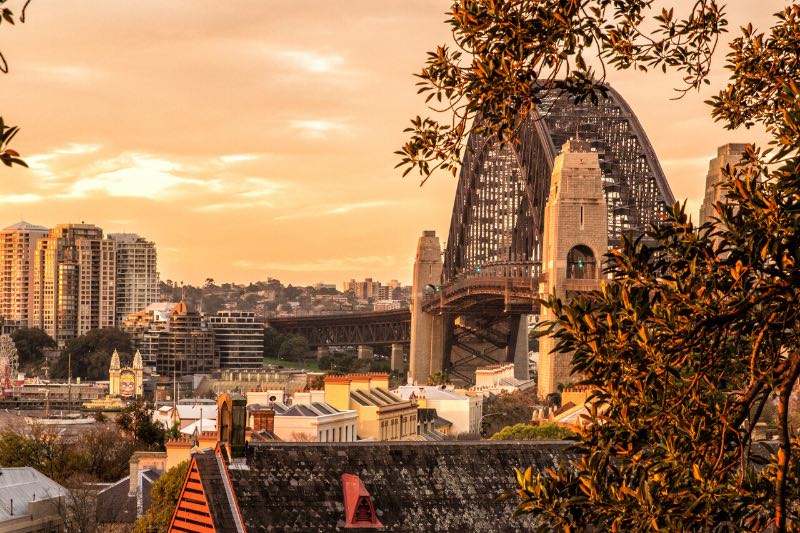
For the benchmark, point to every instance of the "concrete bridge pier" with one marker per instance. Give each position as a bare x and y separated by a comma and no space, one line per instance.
365,352
397,357
427,274
322,351
517,349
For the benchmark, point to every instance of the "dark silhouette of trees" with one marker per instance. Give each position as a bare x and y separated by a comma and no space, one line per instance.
30,342
91,353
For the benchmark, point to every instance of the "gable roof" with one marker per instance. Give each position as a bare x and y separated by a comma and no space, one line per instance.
23,485
414,486
116,505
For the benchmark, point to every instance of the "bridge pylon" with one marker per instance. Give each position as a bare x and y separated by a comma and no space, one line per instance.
427,331
575,240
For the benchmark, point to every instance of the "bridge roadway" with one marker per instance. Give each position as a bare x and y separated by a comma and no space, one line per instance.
480,295
374,328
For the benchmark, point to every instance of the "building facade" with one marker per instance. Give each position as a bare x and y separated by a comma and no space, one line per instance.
186,345
239,339
17,252
463,411
381,414
74,281
136,274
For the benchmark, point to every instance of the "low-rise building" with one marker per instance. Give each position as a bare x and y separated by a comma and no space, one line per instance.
462,410
185,413
381,414
307,419
30,501
120,504
494,379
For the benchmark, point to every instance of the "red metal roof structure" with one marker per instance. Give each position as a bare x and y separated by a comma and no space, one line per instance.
359,512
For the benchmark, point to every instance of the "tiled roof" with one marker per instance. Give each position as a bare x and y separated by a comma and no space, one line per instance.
115,505
415,486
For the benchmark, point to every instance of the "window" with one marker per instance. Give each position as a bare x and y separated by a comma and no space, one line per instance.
581,263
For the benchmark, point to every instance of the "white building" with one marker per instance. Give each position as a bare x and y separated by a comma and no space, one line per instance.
309,418
462,410
186,413
494,379
136,274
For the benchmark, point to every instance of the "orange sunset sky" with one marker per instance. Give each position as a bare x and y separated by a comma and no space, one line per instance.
254,138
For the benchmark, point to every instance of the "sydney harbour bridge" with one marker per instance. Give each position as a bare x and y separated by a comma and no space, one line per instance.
471,298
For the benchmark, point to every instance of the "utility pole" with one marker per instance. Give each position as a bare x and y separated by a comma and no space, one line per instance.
69,382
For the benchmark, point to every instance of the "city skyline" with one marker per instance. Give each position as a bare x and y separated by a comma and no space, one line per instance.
277,159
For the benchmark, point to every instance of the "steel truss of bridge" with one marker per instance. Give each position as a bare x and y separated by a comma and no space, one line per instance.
378,328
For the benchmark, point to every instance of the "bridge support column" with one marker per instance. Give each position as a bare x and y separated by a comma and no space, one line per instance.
427,271
365,352
397,357
521,362
322,351
517,349
438,330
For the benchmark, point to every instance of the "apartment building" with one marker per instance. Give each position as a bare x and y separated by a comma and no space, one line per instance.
239,339
17,251
74,272
136,274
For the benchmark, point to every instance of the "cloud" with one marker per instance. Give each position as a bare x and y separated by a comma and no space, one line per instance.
240,158
26,198
310,61
318,129
337,264
338,210
135,175
69,74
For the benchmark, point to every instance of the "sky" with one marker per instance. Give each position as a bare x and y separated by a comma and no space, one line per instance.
257,140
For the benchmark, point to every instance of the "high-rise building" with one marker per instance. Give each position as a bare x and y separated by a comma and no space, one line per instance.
74,272
728,154
186,346
17,251
136,274
239,339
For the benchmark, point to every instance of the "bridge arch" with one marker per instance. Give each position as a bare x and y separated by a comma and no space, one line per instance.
498,212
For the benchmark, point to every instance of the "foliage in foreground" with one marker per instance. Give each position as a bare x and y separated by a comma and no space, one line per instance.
695,334
164,494
529,432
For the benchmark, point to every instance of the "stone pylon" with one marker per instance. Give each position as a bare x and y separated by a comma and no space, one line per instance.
575,240
426,330
728,154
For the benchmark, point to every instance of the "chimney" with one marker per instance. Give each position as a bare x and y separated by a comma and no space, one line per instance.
264,420
134,476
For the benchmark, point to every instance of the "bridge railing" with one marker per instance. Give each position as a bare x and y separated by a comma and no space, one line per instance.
502,269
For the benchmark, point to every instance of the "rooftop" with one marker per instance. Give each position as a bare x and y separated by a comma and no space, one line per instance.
22,225
415,486
23,485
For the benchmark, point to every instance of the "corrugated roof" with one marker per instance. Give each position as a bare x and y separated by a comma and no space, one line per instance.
23,485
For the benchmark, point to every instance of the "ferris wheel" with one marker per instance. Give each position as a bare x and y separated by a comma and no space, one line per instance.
9,363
